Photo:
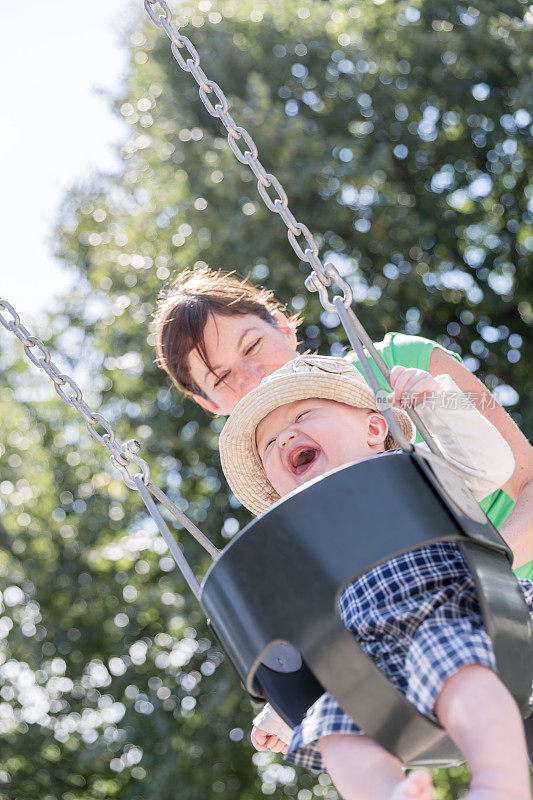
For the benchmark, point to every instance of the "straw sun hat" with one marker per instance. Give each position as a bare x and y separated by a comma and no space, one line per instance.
305,377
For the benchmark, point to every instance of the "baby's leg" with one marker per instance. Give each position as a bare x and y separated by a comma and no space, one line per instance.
363,770
483,719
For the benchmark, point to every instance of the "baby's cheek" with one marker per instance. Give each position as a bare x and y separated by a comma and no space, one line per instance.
270,470
276,475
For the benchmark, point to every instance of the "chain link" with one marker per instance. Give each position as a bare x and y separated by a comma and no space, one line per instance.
151,11
249,156
15,319
121,454
222,105
194,57
258,169
281,199
32,342
316,282
242,133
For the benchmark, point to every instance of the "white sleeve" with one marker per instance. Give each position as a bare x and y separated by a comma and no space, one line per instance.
271,722
468,441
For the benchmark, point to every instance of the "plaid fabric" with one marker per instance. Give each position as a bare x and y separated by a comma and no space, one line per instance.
418,618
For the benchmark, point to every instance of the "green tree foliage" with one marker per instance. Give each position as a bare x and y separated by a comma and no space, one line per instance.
402,134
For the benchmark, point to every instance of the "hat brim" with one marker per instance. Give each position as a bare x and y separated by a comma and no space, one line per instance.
238,453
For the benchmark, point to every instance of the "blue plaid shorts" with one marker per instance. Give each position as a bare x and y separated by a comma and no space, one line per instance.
417,616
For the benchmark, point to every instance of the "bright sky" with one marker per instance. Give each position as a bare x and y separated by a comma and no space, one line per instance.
55,128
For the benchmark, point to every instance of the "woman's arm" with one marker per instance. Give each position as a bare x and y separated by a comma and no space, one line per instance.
517,529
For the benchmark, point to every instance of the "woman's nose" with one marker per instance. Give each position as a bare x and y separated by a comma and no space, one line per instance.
250,377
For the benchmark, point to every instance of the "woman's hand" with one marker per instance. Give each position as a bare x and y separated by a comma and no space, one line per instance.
411,386
262,740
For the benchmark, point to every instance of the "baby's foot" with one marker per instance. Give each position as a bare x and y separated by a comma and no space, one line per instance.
418,785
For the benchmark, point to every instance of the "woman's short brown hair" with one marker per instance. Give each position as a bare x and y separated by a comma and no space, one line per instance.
184,307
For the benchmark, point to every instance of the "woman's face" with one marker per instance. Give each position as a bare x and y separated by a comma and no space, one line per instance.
241,349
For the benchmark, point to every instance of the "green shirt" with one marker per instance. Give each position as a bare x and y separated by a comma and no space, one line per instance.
415,351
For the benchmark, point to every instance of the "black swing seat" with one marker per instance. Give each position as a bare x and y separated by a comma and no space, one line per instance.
271,597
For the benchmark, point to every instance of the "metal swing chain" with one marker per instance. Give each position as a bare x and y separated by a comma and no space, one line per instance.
210,91
322,275
121,453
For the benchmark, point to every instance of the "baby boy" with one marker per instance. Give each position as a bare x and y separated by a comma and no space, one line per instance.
316,414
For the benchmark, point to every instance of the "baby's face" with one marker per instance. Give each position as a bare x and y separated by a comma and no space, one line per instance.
301,440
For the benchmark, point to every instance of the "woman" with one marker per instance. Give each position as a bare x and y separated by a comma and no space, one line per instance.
217,337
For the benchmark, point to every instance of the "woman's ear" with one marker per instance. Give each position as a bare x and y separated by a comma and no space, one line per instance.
208,404
283,325
377,429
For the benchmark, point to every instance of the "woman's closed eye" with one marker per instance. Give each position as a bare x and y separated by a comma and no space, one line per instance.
252,347
221,378
225,375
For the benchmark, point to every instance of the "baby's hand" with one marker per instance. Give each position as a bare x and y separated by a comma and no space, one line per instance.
262,740
411,386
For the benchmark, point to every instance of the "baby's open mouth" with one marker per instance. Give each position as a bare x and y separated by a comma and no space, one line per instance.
302,458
